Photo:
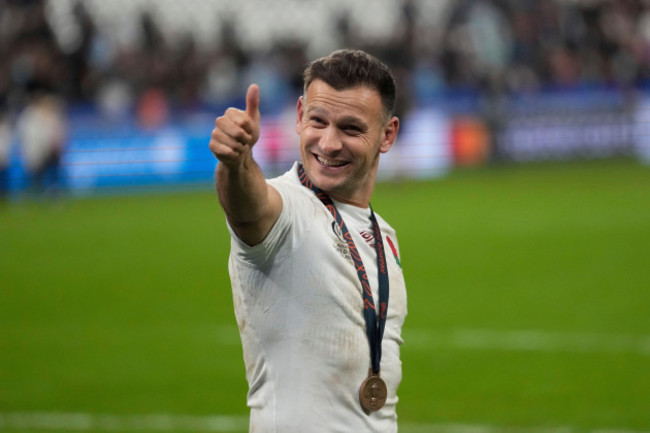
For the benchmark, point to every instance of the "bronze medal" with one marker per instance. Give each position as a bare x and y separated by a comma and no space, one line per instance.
373,393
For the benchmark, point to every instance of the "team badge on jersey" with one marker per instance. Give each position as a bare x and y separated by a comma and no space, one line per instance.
340,245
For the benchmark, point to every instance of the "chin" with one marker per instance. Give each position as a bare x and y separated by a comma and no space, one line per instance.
324,182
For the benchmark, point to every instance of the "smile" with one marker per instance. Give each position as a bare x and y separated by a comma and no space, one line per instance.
329,162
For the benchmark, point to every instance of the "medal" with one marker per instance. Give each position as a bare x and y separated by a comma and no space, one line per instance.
373,393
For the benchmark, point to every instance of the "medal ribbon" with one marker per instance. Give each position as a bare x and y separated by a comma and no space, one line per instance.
375,321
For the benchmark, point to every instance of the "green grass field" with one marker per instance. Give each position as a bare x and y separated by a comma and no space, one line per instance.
529,306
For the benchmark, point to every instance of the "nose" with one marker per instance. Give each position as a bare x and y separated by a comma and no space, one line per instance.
330,142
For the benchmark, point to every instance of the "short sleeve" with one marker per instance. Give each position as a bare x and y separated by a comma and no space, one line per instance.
262,253
286,234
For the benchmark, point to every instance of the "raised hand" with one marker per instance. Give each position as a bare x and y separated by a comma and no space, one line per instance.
237,131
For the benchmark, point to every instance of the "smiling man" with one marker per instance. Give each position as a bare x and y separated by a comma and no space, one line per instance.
320,302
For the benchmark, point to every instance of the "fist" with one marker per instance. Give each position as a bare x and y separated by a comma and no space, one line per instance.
237,131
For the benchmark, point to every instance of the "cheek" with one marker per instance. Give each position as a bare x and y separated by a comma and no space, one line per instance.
361,145
306,141
309,136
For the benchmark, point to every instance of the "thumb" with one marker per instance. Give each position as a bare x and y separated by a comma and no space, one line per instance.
253,101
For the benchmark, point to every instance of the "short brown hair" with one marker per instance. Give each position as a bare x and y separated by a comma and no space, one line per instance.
346,69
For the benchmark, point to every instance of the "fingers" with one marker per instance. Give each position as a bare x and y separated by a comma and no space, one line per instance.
237,130
236,124
253,101
253,109
230,138
227,154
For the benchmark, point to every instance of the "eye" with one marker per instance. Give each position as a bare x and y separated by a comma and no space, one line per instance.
352,130
317,120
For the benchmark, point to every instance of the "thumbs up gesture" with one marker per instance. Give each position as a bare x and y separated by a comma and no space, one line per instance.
237,131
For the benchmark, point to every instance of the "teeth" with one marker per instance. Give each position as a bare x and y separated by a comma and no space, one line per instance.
329,162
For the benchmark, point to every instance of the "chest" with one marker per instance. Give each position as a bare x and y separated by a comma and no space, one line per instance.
335,274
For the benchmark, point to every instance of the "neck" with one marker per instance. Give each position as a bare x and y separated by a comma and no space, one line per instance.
359,197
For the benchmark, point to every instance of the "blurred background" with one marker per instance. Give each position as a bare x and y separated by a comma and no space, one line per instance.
126,92
519,187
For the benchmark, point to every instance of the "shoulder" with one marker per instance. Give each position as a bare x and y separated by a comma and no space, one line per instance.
385,227
288,180
390,235
300,207
291,190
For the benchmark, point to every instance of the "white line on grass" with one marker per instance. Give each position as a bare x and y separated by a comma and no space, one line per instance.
96,422
521,340
226,423
470,428
529,341
474,428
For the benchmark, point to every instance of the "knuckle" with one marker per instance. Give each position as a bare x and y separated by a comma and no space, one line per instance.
232,113
241,136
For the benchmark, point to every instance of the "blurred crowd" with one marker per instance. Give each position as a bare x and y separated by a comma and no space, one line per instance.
512,44
481,46
528,44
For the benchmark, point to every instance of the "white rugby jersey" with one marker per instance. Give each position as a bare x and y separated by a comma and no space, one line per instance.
299,308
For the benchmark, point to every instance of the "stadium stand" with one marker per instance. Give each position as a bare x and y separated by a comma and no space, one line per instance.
476,74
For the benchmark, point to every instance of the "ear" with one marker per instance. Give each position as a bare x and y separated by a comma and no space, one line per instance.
389,134
299,113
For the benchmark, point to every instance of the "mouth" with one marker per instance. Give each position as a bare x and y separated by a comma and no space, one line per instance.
326,162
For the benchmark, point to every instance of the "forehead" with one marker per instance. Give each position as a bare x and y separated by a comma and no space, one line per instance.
361,101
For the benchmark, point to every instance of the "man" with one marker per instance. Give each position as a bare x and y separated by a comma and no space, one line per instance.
319,301
42,131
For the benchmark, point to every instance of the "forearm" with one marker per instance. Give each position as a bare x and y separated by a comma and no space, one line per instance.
242,190
251,206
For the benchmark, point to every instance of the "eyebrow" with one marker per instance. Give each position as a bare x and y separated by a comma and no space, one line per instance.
317,110
354,121
349,120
